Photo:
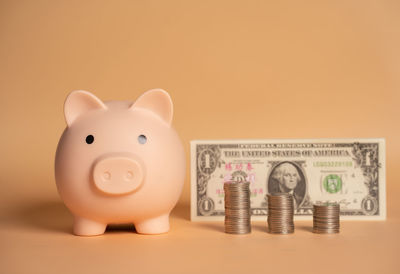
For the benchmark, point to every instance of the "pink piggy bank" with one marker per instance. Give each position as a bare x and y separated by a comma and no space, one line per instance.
119,162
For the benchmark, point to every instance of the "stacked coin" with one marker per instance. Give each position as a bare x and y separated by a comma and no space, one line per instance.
237,208
326,218
280,213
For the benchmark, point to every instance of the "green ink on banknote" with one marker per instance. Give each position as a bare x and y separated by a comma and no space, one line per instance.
332,183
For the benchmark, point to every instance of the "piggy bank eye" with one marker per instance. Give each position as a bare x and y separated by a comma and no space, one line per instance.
142,139
89,139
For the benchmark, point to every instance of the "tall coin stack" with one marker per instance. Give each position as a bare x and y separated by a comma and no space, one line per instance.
237,208
280,213
326,218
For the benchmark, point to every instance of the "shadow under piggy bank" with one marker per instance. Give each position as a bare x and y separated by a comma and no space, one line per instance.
47,215
54,216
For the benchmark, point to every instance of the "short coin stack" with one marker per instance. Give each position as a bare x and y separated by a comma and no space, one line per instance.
280,213
237,208
326,218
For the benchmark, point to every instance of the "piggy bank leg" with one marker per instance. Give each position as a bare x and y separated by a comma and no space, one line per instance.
86,227
156,225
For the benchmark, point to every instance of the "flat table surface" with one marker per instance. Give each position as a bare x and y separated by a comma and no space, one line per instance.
37,239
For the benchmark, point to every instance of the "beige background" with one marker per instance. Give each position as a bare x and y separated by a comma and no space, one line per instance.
235,69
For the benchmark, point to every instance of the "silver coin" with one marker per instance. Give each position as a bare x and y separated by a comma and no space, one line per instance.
237,208
326,218
280,213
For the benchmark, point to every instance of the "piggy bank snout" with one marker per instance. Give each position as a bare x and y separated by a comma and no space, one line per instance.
118,175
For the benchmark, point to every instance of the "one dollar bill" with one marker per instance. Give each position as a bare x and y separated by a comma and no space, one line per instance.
348,171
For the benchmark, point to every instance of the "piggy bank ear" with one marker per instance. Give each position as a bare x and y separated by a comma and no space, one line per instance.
78,103
157,101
